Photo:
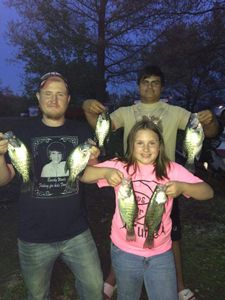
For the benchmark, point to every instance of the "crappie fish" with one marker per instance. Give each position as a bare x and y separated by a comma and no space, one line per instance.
102,129
19,155
77,161
128,207
154,213
193,140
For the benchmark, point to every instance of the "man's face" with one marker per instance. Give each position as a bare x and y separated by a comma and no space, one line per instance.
53,99
150,89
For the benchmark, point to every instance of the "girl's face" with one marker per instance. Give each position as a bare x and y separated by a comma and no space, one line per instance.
146,146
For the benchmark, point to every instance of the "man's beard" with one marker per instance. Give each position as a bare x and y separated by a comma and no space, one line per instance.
54,115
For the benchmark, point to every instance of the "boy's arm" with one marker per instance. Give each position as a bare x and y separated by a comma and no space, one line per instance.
93,174
198,191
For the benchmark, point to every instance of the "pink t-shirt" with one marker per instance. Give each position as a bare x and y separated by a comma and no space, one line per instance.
144,182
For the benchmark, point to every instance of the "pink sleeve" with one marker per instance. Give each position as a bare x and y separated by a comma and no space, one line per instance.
179,173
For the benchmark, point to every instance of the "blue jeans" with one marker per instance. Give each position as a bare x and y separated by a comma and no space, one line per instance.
79,254
158,273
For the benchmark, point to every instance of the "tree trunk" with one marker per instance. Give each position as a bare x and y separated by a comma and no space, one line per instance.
101,83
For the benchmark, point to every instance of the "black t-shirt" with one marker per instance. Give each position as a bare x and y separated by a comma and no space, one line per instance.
49,212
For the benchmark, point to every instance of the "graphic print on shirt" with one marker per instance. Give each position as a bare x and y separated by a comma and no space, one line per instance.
50,154
156,115
143,191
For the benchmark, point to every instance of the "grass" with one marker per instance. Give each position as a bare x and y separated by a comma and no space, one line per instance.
203,241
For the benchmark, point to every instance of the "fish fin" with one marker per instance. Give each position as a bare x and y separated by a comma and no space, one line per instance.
148,242
71,183
66,167
102,151
190,167
26,186
130,236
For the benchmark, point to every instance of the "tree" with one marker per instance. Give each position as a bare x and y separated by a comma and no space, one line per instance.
11,106
192,56
110,35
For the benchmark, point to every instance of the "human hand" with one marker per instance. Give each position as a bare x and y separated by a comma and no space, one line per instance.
95,152
174,188
205,117
113,177
93,106
3,144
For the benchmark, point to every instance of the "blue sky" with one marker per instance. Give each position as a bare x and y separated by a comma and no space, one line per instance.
11,72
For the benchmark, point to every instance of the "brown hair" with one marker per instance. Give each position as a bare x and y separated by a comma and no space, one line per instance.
162,161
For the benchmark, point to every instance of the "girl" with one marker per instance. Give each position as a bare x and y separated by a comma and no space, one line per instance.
147,165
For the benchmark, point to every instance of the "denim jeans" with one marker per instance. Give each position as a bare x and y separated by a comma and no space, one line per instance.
79,254
158,273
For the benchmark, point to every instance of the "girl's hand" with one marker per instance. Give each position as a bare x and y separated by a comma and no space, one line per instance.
95,152
174,188
113,177
3,144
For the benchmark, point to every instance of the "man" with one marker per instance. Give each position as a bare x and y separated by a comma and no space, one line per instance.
151,82
52,220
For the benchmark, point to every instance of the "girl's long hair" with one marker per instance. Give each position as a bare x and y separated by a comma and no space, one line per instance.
162,161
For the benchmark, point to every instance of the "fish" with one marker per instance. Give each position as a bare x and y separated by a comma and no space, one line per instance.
154,213
102,129
193,141
128,207
20,156
77,161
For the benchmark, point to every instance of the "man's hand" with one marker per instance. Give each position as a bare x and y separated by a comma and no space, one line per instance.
209,123
93,106
205,117
3,144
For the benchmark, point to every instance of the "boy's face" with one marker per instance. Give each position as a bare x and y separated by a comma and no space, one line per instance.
146,146
150,89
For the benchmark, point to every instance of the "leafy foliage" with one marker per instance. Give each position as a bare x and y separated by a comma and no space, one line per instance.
193,57
98,44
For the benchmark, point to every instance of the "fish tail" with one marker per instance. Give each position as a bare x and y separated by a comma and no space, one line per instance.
70,183
103,151
148,242
190,167
26,186
130,236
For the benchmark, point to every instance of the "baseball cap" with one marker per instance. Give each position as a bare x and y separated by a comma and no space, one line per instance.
48,75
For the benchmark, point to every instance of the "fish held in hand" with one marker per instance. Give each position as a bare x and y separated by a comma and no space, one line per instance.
102,129
128,207
193,140
154,213
20,156
77,161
